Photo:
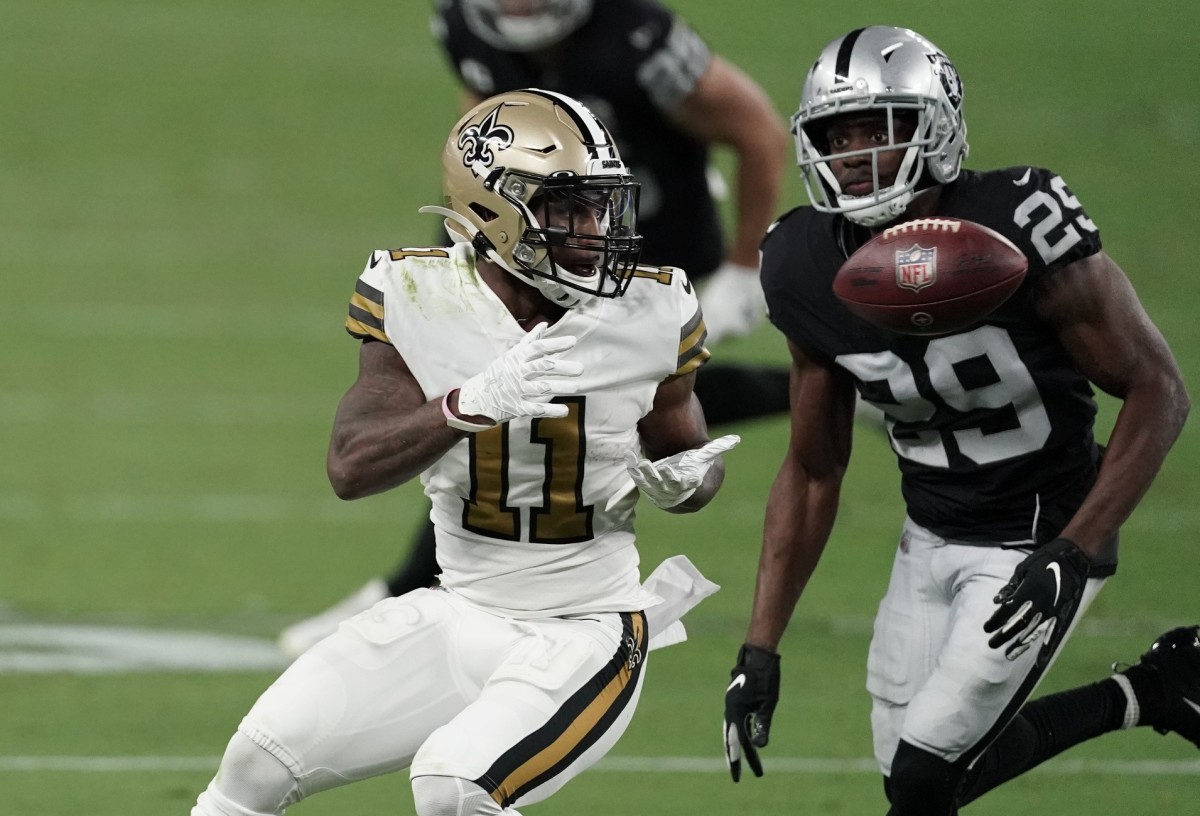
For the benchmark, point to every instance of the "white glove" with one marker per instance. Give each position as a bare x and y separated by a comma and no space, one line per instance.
732,301
670,481
522,381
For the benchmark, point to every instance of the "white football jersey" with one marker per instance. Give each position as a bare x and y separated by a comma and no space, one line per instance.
520,509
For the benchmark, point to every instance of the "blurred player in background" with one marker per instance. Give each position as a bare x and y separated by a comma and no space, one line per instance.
521,373
668,100
1013,509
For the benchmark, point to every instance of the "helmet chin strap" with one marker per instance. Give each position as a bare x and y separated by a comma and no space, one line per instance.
883,212
875,214
554,292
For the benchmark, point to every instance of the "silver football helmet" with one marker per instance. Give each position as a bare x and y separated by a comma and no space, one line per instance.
894,71
524,25
534,182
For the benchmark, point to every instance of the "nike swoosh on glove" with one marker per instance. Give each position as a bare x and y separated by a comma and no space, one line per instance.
522,381
673,480
750,701
1044,589
732,302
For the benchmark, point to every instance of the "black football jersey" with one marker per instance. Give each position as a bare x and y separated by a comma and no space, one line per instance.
632,61
992,425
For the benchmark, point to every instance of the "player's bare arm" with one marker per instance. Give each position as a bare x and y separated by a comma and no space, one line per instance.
384,432
801,507
675,425
727,107
1112,340
803,500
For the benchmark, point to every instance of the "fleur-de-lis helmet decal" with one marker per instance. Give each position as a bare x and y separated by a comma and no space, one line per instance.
477,141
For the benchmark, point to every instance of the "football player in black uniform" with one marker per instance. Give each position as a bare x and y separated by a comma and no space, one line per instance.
667,98
1013,509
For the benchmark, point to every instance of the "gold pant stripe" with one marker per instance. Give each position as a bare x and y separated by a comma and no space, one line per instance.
577,725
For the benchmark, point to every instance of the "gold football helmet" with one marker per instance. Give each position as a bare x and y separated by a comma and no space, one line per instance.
533,181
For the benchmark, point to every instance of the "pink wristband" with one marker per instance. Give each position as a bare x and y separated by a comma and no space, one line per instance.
455,422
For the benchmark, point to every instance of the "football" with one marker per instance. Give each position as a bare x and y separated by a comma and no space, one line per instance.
930,276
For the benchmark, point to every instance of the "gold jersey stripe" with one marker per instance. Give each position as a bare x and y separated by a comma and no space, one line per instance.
362,331
692,351
361,287
614,694
365,318
370,307
687,364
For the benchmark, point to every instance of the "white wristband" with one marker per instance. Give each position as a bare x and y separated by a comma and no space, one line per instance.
460,424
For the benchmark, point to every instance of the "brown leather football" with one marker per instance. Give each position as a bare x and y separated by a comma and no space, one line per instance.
930,276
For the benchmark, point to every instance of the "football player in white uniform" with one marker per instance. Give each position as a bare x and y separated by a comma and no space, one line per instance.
537,380
669,100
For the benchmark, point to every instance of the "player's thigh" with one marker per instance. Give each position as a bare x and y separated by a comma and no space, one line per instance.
361,702
910,624
975,689
557,705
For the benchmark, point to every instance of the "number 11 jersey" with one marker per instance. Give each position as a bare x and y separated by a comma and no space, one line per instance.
521,510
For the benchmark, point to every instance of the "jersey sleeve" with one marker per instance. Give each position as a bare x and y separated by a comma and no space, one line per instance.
798,259
674,66
692,332
1046,220
365,318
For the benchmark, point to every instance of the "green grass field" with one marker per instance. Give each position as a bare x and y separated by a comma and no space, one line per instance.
188,190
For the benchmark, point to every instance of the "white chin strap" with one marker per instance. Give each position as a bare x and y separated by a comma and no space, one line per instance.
456,225
874,214
882,212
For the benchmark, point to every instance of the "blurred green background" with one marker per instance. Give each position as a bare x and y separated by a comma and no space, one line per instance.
188,191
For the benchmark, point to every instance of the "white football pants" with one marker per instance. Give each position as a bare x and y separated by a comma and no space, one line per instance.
434,683
934,681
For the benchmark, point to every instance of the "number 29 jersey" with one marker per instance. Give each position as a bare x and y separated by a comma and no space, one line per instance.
992,426
521,509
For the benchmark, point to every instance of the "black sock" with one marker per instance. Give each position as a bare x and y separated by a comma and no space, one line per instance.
420,569
1045,728
1147,687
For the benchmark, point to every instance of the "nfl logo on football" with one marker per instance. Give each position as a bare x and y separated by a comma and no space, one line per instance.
916,267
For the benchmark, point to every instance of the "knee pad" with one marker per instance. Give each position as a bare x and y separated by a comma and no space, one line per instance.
922,783
250,782
452,796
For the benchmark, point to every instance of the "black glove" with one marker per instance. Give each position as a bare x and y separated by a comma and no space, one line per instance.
750,701
1044,589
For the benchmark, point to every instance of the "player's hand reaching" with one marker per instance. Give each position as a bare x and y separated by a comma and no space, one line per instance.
732,302
521,382
1044,589
750,701
673,480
